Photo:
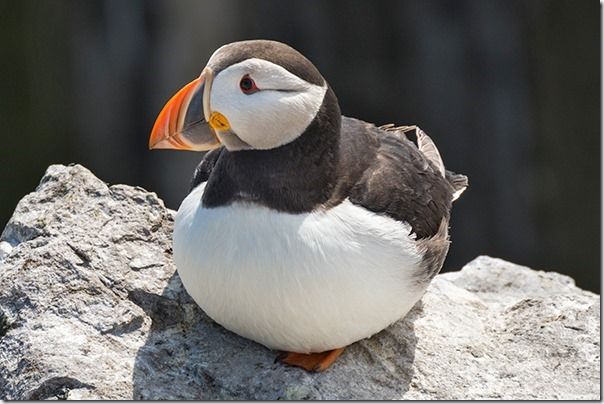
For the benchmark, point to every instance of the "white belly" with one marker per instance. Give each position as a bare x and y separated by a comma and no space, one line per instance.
296,282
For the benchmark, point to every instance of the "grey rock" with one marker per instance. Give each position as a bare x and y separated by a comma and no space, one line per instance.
91,307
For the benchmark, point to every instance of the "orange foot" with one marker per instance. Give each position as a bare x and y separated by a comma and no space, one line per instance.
313,362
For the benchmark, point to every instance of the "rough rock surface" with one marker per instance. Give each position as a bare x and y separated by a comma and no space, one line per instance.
91,307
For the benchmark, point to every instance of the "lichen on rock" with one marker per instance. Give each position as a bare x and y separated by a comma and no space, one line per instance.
91,308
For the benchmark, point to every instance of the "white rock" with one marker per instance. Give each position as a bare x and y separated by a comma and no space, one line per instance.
5,249
91,308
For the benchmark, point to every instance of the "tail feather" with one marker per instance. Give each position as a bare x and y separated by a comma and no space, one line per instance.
458,181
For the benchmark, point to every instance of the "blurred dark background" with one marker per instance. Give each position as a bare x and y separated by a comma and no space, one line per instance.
509,90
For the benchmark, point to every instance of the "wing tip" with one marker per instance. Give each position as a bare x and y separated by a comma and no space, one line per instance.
459,182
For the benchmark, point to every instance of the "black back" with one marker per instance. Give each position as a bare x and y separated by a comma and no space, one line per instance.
401,183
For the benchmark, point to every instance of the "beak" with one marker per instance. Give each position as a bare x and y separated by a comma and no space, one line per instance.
181,124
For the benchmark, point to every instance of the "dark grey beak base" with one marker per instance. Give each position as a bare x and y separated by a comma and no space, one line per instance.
196,129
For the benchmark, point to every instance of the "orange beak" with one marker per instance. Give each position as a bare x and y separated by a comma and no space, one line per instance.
181,124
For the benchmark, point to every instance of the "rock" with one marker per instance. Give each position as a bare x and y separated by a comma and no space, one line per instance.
91,308
5,249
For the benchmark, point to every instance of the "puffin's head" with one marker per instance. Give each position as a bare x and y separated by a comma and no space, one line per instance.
251,95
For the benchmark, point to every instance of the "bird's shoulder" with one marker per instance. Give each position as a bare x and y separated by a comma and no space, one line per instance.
401,177
204,168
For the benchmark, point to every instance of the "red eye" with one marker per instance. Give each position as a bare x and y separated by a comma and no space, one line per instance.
247,85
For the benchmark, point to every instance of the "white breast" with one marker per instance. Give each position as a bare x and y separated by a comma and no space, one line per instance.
296,282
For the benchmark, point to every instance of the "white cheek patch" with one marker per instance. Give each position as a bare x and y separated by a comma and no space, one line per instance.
277,114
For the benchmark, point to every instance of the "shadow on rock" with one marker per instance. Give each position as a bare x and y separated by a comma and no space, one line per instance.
188,356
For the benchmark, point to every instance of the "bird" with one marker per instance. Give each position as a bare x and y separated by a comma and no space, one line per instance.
304,230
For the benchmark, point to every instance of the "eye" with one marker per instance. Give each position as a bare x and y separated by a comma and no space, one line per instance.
247,85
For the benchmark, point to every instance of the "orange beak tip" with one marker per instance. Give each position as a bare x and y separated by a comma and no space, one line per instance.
164,134
171,129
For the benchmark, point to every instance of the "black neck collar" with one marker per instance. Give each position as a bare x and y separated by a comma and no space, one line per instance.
296,177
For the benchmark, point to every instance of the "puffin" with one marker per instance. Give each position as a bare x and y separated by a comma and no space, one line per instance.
303,230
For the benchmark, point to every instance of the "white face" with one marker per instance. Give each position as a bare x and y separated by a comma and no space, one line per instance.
276,114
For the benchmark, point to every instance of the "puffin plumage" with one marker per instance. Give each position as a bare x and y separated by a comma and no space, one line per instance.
304,230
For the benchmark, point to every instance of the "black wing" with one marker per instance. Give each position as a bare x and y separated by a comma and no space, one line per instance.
205,167
400,181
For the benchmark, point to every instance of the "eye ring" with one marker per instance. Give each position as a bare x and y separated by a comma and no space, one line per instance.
247,85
